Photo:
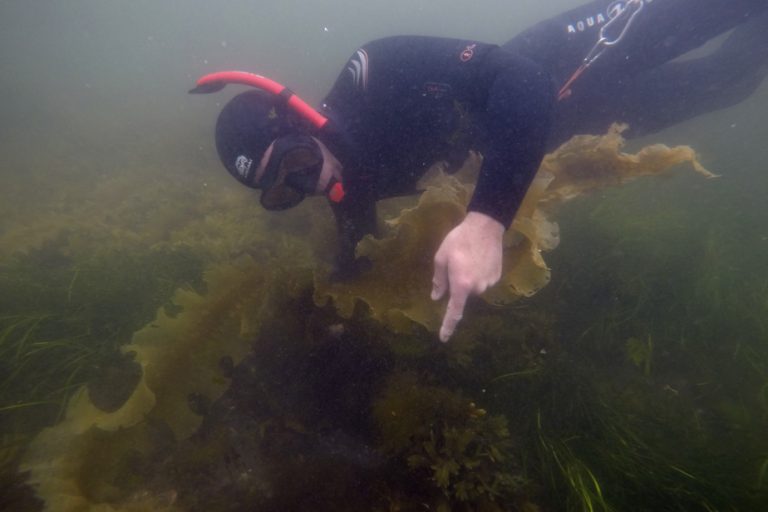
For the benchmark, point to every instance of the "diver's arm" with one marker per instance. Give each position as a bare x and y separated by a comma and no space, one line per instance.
519,111
518,119
346,107
355,218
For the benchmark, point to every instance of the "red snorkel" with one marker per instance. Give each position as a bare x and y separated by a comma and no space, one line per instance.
216,81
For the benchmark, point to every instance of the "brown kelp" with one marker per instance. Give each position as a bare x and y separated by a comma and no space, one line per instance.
180,357
402,257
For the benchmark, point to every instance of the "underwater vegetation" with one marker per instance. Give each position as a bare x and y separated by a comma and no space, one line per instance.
63,324
450,442
581,165
673,352
189,354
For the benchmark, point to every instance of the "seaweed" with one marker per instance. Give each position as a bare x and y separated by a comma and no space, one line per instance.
663,364
249,381
64,321
397,290
449,444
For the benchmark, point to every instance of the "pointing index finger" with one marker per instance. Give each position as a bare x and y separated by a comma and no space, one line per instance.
453,312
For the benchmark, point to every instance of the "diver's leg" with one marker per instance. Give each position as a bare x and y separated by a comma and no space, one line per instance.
679,91
651,98
661,31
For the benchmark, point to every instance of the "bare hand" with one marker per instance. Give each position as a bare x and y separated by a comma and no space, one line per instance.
467,262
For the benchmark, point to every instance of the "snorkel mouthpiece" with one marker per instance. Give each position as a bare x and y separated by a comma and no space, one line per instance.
336,193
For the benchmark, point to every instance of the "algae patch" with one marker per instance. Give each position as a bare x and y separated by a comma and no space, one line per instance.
181,358
397,289
89,459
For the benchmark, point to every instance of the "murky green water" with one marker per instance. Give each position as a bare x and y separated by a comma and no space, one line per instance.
636,380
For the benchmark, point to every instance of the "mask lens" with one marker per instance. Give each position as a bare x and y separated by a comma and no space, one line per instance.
300,169
297,176
281,197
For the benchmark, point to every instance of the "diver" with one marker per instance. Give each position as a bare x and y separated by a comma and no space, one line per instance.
402,104
399,105
614,61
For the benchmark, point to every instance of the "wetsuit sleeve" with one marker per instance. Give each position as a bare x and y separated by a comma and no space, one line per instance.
345,107
354,220
518,117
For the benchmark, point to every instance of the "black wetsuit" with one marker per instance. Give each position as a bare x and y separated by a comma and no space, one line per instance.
636,81
402,104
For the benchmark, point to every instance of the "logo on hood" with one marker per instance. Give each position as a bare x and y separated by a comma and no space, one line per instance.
243,165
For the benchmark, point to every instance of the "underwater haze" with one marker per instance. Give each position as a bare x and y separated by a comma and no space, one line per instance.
166,344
